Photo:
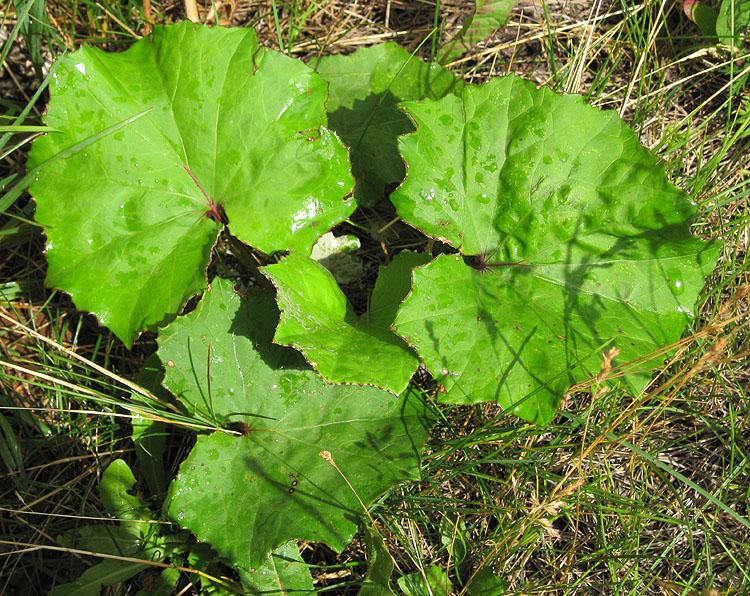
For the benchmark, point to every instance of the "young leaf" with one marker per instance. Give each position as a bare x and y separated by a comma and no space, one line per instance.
486,583
117,480
247,494
136,538
317,320
379,565
573,238
453,536
150,436
233,131
702,15
437,583
364,89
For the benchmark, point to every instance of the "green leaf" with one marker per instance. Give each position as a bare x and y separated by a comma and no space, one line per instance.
702,15
317,319
124,540
733,21
233,129
364,88
392,286
379,565
486,583
33,173
487,17
453,537
106,573
111,539
283,572
436,584
117,480
577,242
149,438
247,494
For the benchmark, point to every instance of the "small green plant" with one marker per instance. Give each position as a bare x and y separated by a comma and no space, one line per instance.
729,23
557,237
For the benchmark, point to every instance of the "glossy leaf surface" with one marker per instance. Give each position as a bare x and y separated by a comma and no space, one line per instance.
232,130
317,319
247,494
577,242
364,89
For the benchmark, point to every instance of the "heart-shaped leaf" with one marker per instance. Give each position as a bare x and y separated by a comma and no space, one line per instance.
232,130
247,494
317,319
364,89
573,240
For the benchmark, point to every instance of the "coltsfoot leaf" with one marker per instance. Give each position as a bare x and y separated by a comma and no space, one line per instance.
571,240
247,494
233,131
364,89
317,319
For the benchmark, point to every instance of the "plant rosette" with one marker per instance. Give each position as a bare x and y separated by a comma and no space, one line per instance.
562,238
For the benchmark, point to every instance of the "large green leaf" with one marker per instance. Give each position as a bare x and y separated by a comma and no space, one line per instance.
247,494
364,89
317,319
576,238
233,130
